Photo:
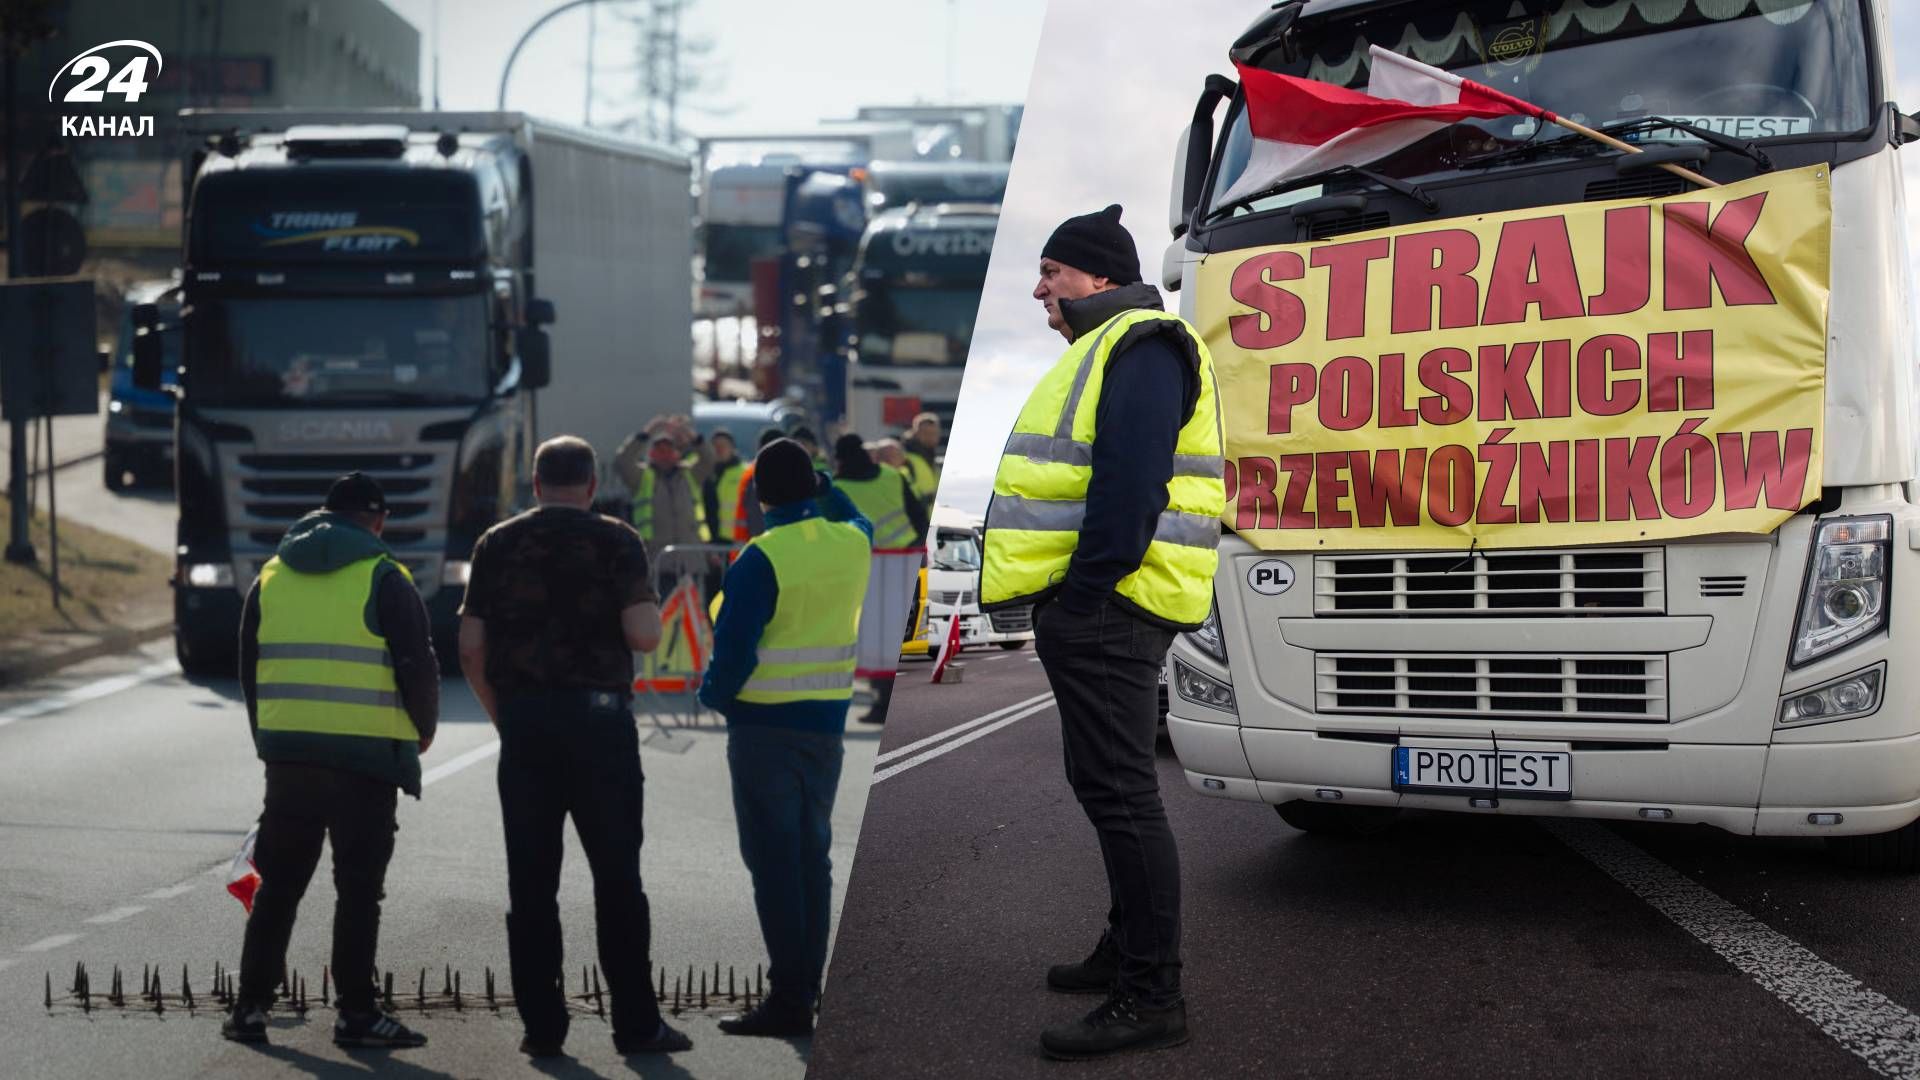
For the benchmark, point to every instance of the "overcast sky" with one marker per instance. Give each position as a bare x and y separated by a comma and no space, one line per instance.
1113,88
784,64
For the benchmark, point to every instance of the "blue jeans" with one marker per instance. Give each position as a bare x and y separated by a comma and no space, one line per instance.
784,782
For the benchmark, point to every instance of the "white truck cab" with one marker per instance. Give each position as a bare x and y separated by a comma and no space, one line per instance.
1759,683
953,586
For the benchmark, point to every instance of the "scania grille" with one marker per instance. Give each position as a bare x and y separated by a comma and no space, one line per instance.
1520,583
1604,687
1013,620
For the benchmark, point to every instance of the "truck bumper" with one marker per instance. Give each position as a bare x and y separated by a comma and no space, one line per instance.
1873,786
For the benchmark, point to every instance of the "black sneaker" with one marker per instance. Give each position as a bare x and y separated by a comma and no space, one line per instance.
245,1024
772,1019
1094,975
374,1029
665,1040
1119,1024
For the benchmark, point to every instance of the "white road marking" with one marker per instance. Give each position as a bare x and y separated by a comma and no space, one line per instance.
5,964
48,944
169,892
955,744
89,692
903,751
1864,1021
117,914
472,757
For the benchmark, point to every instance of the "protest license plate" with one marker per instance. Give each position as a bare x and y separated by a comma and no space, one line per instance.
1520,774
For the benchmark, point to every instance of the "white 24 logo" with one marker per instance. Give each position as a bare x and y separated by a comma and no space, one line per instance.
130,80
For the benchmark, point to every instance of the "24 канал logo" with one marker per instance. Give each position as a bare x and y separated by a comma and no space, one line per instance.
91,78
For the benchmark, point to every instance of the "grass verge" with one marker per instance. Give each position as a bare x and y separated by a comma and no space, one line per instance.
106,582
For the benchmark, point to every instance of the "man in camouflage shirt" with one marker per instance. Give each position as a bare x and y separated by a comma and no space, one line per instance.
559,601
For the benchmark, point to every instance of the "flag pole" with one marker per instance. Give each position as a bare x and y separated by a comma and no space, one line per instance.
1530,109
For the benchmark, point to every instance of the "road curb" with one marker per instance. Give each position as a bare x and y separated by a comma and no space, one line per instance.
117,641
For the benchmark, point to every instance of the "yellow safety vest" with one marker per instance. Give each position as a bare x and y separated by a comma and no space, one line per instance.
884,501
807,649
321,670
1040,490
727,491
926,478
643,505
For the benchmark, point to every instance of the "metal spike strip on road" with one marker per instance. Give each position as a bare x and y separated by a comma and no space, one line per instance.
420,990
326,981
676,995
186,988
446,984
491,1003
389,991
456,991
703,988
599,1004
730,996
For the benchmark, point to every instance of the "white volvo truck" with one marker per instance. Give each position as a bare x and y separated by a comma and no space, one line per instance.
1762,684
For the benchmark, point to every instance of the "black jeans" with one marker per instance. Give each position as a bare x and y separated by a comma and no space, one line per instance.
305,805
1104,669
574,752
784,784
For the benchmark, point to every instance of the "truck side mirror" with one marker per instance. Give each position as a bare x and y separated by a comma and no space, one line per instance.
536,357
539,312
1906,128
1196,152
148,355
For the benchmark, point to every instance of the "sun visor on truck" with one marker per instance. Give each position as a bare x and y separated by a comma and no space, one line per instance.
391,218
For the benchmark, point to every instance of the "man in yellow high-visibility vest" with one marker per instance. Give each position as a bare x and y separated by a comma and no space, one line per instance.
782,674
922,444
1106,516
343,692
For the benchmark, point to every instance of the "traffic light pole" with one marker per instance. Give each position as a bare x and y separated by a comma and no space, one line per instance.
19,541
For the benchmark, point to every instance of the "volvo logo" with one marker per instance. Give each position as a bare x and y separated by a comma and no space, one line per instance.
317,430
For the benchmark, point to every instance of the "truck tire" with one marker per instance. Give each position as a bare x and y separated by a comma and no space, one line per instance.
1328,819
1013,646
1896,852
114,472
201,660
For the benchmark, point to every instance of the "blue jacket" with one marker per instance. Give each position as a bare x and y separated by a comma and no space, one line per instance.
748,597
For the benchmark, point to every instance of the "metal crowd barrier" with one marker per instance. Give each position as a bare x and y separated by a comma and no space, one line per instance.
669,676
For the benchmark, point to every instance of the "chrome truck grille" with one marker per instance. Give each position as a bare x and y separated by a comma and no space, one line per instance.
1016,620
1597,686
1520,583
952,597
266,492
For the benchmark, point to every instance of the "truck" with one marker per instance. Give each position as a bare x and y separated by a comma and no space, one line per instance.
953,586
742,186
1754,681
823,216
954,132
372,290
139,429
901,183
916,290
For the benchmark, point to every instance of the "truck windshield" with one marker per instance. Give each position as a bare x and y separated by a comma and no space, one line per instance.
339,350
918,325
1752,69
731,249
956,550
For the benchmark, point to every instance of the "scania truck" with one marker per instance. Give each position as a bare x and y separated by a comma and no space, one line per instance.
916,290
1760,682
371,291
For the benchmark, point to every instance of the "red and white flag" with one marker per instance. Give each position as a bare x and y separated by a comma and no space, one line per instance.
949,646
243,878
1304,126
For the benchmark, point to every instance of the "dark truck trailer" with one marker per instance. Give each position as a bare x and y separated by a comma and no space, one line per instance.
368,291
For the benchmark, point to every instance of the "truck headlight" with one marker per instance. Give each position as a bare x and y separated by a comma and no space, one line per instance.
210,575
1846,597
456,572
1201,689
1842,699
1208,638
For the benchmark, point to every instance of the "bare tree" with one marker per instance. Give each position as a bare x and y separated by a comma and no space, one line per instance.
674,72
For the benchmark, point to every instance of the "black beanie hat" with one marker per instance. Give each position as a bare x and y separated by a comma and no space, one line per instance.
783,473
356,493
1096,244
851,449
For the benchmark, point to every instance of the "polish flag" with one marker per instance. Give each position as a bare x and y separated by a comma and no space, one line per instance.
1304,126
243,879
949,647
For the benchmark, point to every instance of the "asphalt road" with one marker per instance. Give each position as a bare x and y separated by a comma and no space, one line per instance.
125,790
142,514
1452,946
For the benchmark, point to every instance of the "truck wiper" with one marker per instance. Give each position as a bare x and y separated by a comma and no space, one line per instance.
1640,125
1391,183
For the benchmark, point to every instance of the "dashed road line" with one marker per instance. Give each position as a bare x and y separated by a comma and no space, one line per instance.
903,751
472,757
48,944
169,892
1865,1022
92,691
117,914
955,744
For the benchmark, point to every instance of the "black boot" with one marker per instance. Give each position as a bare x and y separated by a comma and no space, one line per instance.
1094,975
774,1018
882,697
1118,1025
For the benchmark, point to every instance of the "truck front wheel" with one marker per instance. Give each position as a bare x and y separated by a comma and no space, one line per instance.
201,658
1329,819
1891,852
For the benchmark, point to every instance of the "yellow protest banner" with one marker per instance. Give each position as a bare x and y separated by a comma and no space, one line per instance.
1592,373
